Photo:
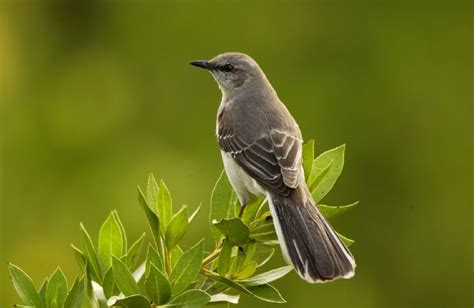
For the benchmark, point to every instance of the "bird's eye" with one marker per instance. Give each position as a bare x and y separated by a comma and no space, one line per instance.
228,68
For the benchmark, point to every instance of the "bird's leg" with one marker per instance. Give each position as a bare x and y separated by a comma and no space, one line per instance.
213,255
243,201
242,209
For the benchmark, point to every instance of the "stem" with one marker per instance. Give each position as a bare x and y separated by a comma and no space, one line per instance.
168,261
166,256
218,249
211,257
242,210
206,271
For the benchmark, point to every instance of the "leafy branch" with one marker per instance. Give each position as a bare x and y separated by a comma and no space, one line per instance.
115,273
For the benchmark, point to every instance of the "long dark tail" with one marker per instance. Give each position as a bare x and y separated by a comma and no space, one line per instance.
307,240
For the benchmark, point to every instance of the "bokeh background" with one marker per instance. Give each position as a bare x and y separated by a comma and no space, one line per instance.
95,95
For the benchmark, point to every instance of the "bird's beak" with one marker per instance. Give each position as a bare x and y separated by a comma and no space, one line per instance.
201,63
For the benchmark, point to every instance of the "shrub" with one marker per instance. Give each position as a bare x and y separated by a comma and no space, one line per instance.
114,274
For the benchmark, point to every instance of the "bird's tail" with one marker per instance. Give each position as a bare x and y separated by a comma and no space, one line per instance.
307,240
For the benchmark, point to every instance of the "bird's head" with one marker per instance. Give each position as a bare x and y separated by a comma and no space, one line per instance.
232,71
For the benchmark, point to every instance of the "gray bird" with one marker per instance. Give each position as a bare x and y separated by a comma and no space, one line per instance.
261,146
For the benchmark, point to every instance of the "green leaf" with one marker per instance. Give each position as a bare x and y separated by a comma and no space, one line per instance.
109,283
224,258
250,210
317,175
337,157
264,232
250,250
247,270
228,282
265,216
110,241
347,241
222,203
24,286
134,251
234,261
308,157
267,293
133,301
264,292
91,255
238,260
124,234
75,295
261,210
152,190
152,218
190,298
42,292
333,211
123,278
263,254
187,268
153,258
234,229
93,297
177,227
157,286
56,291
267,277
80,258
176,254
193,215
88,283
164,206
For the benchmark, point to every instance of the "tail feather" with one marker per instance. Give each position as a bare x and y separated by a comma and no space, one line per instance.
307,240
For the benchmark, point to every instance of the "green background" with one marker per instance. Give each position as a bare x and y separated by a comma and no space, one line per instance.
95,95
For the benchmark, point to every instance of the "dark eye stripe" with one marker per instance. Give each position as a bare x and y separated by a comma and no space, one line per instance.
227,68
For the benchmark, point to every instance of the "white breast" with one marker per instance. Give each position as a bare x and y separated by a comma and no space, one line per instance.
242,183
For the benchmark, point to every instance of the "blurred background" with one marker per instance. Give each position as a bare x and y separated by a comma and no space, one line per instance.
96,95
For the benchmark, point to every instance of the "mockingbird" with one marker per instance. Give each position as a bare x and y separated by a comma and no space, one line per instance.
261,146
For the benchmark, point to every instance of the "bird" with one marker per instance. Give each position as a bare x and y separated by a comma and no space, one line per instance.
261,149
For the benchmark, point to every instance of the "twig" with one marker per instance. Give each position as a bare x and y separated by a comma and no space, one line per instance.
211,257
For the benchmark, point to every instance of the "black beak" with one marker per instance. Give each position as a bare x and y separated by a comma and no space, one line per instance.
201,63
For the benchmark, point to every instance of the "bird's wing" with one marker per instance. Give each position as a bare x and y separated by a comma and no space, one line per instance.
273,160
288,151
